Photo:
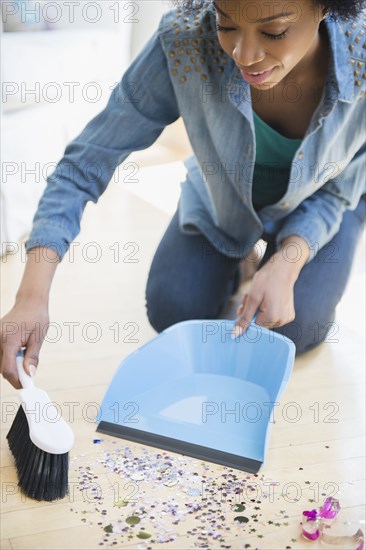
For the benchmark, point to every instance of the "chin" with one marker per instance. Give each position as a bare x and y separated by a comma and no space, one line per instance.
264,85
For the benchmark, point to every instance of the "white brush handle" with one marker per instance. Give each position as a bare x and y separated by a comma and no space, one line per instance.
25,380
47,429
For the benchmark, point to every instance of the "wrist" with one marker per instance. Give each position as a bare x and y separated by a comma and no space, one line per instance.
291,257
34,296
286,269
38,275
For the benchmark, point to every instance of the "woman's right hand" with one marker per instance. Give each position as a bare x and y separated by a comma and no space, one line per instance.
25,325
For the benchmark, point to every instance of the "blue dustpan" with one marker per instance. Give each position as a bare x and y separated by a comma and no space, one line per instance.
195,391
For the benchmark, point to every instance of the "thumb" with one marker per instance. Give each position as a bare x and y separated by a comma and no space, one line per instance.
31,355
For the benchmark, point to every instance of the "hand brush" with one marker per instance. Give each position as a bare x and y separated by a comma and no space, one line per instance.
40,441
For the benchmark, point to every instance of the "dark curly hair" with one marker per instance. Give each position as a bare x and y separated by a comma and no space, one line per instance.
338,9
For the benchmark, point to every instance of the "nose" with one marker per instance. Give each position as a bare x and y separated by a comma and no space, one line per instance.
248,52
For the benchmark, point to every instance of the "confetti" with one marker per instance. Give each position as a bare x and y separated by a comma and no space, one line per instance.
241,519
170,498
143,535
138,476
133,520
121,503
193,492
170,482
239,508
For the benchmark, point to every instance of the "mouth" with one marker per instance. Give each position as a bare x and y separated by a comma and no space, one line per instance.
259,72
256,77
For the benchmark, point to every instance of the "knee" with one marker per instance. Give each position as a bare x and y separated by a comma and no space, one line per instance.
309,332
166,304
162,312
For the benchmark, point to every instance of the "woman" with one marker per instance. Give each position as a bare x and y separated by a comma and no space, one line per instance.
272,97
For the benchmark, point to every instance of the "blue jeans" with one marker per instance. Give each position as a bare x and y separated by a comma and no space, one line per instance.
190,279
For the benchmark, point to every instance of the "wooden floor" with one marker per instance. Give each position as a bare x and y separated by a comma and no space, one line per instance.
319,454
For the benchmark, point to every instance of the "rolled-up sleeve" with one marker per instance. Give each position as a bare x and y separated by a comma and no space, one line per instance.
318,218
140,106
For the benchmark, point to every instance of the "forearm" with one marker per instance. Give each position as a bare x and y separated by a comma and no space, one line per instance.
38,274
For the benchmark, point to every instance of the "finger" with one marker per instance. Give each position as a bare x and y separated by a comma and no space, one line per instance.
249,310
241,307
246,316
9,367
31,355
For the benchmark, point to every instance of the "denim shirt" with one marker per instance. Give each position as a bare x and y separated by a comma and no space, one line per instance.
183,71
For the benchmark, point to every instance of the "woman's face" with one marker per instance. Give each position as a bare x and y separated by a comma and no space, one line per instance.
279,37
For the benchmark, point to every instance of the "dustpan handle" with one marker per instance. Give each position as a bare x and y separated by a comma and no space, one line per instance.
25,380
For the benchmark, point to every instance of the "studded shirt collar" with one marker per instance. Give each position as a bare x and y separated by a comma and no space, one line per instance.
340,68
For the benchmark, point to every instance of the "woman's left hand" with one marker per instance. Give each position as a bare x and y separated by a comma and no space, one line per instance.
271,294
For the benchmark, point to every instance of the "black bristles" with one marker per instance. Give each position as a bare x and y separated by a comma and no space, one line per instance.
41,475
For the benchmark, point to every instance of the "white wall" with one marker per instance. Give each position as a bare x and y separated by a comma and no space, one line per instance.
148,15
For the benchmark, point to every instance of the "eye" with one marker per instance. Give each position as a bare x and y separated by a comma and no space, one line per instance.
276,36
220,28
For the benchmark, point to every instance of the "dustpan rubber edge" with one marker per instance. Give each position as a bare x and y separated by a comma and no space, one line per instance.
183,447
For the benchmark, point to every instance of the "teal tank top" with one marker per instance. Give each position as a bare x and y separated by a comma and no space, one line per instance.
274,154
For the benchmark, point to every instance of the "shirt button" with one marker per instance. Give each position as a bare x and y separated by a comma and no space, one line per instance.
300,155
285,205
